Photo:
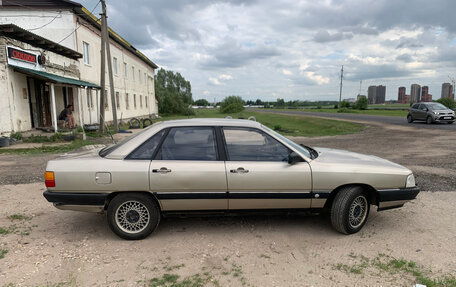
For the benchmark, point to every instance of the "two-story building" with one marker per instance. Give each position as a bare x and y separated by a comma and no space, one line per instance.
68,37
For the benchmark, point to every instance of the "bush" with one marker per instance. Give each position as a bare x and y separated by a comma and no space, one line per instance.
232,104
344,104
361,104
16,136
448,102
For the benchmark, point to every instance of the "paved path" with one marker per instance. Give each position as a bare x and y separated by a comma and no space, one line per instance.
365,118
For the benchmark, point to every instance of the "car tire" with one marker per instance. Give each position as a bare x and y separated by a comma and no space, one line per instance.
350,210
409,118
133,216
450,123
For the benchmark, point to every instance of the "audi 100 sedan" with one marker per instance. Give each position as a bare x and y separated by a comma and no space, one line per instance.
222,165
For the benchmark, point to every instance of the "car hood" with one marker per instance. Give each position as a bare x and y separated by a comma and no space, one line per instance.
336,156
443,111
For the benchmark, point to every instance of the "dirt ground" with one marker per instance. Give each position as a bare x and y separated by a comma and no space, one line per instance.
43,246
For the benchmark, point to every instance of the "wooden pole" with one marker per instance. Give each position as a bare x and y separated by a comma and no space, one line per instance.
102,75
111,78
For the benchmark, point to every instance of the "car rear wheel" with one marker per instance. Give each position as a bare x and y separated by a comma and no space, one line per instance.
450,123
429,120
409,119
133,216
350,210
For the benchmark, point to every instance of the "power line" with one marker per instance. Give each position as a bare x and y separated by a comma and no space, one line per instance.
33,29
79,25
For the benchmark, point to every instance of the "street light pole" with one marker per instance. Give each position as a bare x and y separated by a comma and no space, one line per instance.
340,91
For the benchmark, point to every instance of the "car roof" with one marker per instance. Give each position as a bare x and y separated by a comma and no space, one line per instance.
211,122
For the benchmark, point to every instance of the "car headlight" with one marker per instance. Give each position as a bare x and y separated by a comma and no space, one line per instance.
436,113
410,181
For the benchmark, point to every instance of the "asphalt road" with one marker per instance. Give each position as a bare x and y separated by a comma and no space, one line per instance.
402,121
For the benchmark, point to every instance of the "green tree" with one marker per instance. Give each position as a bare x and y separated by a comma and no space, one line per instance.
232,104
173,92
201,103
280,102
448,102
344,104
361,104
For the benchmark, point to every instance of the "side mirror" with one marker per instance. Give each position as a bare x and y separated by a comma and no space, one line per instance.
294,158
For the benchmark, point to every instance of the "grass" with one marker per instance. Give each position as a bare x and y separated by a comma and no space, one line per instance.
385,112
3,253
392,265
47,149
172,280
285,124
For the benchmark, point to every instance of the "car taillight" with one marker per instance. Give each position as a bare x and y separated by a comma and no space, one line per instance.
49,179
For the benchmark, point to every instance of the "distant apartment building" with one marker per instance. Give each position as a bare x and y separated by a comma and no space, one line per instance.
447,91
380,95
425,96
415,93
401,96
376,94
371,94
407,99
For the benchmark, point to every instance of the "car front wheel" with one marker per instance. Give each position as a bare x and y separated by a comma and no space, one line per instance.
350,210
133,216
429,120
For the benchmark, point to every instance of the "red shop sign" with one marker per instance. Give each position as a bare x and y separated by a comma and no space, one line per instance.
21,55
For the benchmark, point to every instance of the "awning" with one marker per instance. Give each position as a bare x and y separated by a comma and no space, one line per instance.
54,78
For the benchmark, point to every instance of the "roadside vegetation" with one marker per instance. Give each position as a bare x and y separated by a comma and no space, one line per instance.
20,225
401,267
284,124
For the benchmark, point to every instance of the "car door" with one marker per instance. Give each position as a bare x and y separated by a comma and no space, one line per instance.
259,175
187,173
422,112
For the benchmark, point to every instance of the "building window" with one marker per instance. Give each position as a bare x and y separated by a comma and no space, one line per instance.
117,100
125,71
86,50
145,98
140,101
139,76
133,73
114,63
106,104
127,102
134,101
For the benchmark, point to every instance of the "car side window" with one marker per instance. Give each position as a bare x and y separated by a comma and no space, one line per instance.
253,145
147,149
189,143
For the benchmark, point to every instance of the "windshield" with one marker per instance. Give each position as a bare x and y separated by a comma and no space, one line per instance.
302,149
436,106
107,150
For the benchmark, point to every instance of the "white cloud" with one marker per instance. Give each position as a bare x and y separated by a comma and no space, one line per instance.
273,48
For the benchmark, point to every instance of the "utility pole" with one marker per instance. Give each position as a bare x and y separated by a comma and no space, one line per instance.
105,37
340,91
102,74
452,81
360,84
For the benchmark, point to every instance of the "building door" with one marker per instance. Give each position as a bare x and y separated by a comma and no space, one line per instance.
41,104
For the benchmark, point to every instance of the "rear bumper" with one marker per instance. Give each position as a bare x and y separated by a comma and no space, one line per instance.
63,198
394,198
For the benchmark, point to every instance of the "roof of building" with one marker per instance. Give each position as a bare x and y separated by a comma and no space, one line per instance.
82,12
55,78
16,32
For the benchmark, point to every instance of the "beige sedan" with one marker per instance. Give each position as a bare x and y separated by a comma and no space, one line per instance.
222,165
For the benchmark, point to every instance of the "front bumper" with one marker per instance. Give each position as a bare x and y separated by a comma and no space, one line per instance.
394,198
443,118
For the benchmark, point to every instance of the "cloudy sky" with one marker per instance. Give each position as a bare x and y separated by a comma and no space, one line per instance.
271,49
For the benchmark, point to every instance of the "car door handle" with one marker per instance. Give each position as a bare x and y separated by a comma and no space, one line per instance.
161,170
239,170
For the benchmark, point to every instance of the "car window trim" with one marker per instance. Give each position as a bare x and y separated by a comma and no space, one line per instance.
221,145
252,129
154,157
